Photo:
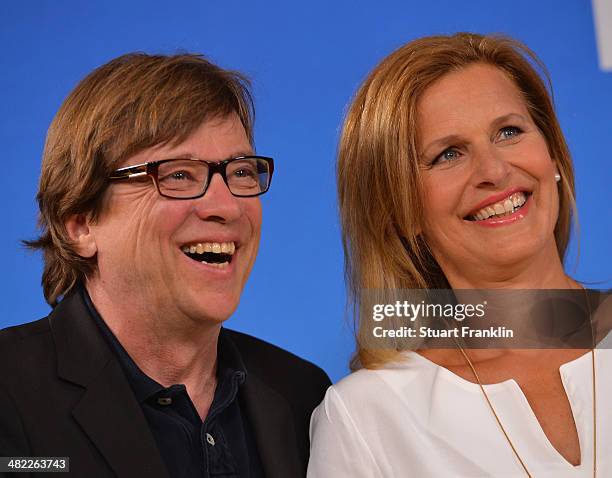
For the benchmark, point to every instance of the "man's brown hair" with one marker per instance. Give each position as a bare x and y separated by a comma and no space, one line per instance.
132,103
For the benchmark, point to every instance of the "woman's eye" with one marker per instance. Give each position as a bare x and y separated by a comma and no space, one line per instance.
510,132
446,155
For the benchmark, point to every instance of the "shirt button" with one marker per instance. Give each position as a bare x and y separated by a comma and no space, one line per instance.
210,439
164,401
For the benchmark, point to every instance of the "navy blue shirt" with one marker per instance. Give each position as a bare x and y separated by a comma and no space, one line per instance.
221,445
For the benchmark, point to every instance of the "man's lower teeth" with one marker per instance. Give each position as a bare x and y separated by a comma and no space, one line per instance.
218,265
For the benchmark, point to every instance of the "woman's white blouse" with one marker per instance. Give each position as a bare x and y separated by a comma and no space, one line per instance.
417,419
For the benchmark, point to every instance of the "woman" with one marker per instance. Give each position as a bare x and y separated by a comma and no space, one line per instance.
453,173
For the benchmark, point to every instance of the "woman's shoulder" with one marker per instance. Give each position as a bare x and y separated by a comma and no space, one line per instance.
366,387
369,414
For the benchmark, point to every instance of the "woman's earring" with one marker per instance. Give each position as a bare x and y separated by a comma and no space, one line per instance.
557,177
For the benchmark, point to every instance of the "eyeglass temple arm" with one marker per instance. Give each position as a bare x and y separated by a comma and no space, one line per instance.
129,172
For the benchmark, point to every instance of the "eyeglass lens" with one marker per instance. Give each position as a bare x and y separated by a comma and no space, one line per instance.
181,178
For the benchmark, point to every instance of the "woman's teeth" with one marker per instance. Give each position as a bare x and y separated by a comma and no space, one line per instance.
502,208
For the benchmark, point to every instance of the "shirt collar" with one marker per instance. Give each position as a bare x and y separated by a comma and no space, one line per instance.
230,366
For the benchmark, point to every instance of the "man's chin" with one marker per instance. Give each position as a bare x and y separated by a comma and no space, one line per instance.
215,311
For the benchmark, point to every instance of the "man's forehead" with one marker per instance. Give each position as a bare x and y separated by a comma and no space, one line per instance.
213,140
193,154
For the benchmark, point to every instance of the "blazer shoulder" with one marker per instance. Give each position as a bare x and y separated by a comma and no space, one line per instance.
277,366
25,350
19,333
261,352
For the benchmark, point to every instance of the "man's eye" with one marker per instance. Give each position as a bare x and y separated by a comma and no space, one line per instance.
177,176
244,173
510,132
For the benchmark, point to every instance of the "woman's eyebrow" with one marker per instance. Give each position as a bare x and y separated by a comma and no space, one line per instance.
500,120
440,142
454,138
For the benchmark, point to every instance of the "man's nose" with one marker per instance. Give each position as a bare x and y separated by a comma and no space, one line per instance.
218,204
491,166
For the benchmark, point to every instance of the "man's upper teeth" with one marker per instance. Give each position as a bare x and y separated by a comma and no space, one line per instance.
505,206
215,247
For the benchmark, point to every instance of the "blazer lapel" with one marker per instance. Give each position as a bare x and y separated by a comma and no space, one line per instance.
108,411
272,424
113,420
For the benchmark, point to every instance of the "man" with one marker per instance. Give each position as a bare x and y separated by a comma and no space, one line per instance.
150,226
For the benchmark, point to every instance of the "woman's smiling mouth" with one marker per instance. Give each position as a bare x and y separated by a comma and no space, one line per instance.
506,211
501,208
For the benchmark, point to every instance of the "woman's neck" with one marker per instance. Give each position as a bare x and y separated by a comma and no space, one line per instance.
545,271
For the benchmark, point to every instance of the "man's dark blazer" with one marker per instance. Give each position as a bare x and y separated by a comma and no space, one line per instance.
64,393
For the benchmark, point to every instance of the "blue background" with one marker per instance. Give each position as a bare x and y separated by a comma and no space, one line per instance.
306,59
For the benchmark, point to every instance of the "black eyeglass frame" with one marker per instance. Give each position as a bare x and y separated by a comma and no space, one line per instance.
151,169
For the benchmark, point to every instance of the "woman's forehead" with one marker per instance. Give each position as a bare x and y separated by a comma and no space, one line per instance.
471,95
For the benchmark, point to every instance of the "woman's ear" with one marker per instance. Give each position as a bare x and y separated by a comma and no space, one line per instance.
81,234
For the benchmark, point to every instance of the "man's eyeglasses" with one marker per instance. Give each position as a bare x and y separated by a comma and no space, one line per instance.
246,176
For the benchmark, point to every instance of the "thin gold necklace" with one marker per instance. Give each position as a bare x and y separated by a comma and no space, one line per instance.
501,426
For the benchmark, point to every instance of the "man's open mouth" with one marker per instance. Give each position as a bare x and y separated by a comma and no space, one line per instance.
218,254
502,208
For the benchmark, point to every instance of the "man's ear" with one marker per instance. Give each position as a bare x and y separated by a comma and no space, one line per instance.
81,234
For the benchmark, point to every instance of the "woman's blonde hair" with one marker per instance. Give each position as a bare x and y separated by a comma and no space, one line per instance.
379,186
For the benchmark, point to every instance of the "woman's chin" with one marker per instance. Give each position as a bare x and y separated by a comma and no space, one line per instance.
499,260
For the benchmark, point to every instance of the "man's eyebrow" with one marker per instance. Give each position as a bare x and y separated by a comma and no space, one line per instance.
238,154
191,155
